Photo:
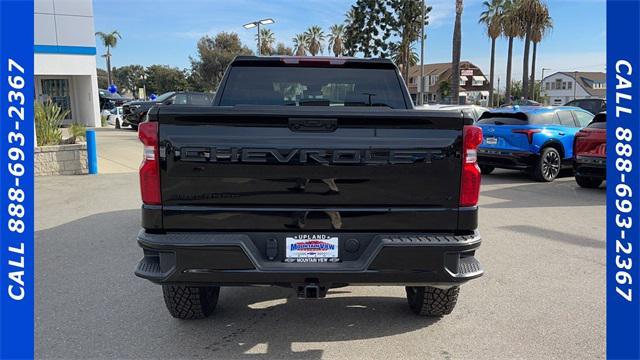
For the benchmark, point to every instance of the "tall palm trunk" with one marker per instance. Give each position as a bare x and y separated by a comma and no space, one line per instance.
407,60
455,66
525,65
507,93
491,71
109,66
533,72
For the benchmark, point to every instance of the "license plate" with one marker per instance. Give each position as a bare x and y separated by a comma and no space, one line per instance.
491,141
312,248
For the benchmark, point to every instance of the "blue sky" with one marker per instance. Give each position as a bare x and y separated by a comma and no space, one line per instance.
166,32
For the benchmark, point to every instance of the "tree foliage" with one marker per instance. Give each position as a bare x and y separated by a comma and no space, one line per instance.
130,77
315,39
370,25
267,39
336,39
213,57
408,24
163,78
103,78
300,44
282,49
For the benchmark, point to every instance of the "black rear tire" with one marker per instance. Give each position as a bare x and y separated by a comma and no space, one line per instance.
588,182
190,302
486,169
548,165
134,127
118,124
431,301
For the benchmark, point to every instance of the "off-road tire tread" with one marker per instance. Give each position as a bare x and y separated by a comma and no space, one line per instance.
431,301
190,302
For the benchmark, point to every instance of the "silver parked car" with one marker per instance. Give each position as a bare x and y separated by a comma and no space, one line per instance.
473,111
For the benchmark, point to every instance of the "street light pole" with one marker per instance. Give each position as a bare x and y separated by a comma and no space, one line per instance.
256,24
421,82
498,92
575,83
259,44
542,81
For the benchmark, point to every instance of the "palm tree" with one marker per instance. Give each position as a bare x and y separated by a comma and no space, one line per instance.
538,33
455,63
267,39
300,44
397,56
109,40
315,38
336,34
491,17
511,28
530,13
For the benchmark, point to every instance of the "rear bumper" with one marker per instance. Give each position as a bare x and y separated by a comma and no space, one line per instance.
250,259
590,166
507,159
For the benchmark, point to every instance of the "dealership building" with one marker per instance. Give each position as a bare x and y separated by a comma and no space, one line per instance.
65,58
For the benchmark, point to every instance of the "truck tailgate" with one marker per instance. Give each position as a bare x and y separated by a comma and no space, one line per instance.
279,168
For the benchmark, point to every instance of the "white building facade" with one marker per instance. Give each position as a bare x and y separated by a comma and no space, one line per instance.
562,87
65,58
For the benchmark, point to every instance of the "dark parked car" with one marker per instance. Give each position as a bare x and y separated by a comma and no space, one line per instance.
110,101
135,111
590,151
309,173
593,106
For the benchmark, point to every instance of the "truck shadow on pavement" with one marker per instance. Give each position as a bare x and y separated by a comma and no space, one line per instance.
90,305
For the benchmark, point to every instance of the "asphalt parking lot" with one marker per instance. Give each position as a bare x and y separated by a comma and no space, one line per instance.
542,296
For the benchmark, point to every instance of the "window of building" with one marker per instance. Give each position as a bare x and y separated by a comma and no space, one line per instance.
57,90
547,85
569,85
478,81
564,85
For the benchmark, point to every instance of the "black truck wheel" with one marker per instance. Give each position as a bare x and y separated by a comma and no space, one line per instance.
431,301
486,169
588,182
548,166
190,302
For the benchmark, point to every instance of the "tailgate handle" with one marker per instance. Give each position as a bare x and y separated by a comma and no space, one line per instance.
313,124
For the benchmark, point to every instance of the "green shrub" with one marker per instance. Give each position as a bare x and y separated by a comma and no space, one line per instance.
78,131
48,117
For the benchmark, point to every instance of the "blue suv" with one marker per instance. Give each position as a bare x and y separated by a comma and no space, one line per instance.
533,138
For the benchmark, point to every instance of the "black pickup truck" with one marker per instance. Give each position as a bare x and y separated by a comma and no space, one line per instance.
309,173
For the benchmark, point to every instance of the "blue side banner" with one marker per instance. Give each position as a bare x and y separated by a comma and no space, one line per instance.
623,179
16,179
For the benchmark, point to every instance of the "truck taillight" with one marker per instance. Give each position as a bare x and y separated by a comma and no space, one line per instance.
150,168
470,180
